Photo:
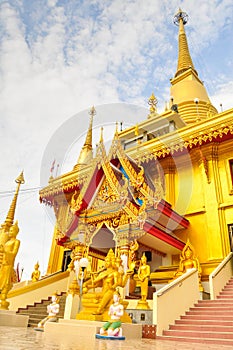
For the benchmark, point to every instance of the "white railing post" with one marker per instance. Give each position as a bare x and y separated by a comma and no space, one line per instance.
220,276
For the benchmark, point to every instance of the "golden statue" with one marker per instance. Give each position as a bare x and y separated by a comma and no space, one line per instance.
188,261
36,273
143,276
132,264
9,250
95,304
3,234
107,279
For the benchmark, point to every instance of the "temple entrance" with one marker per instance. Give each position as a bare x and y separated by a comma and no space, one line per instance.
66,260
103,240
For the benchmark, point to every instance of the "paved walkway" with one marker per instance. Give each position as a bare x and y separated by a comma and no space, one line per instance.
12,338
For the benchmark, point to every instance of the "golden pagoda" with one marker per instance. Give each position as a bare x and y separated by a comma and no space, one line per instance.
165,181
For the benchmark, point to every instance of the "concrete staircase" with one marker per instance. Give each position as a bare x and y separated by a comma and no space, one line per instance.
209,321
38,311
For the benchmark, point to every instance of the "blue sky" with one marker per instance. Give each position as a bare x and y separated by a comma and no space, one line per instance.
58,58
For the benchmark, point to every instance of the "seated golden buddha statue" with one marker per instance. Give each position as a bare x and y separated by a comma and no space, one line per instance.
104,283
36,273
188,261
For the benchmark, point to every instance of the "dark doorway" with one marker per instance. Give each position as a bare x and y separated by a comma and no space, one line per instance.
66,260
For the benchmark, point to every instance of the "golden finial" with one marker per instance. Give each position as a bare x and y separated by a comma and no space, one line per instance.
152,102
116,130
101,134
20,179
92,111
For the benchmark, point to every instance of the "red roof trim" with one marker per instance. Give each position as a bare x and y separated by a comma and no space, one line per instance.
165,208
94,183
165,237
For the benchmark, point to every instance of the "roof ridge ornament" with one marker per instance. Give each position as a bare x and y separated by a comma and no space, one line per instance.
152,102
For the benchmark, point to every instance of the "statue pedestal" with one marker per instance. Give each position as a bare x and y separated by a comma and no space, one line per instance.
144,317
11,319
71,307
88,329
142,305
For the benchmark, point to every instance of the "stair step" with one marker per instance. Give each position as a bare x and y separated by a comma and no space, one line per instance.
205,322
199,334
207,317
38,311
196,340
210,309
211,312
202,328
210,303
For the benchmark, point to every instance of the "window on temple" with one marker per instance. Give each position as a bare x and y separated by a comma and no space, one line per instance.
231,169
230,231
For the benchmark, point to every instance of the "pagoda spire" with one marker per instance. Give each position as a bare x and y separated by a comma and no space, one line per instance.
184,58
188,92
5,227
86,153
11,213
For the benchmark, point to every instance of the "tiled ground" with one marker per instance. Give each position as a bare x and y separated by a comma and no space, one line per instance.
25,339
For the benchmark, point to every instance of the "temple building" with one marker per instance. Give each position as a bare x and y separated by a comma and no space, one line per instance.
164,182
145,226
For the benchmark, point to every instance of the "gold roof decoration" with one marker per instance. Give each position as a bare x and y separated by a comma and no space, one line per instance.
152,102
100,151
86,154
66,183
138,187
209,130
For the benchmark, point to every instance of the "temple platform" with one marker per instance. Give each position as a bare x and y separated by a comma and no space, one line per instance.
11,319
79,328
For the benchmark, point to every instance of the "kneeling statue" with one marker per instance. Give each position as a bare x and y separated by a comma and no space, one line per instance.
52,310
112,328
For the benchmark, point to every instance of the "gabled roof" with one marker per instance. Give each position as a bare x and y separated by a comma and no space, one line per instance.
117,178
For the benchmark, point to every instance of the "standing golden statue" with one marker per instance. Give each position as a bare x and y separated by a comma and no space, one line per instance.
143,276
9,250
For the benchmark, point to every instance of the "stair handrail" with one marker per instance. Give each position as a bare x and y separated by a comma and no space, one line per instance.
179,295
220,276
